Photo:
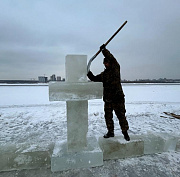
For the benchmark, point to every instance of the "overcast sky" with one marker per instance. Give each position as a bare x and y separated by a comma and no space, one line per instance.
36,35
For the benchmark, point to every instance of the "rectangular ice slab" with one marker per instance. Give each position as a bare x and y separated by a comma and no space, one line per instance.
64,91
24,156
76,68
77,124
178,146
117,147
159,142
153,144
91,156
170,141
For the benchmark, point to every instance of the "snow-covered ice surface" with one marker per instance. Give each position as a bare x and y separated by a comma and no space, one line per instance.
156,165
26,116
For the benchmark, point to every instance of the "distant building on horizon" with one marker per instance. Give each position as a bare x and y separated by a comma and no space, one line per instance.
43,79
53,77
58,78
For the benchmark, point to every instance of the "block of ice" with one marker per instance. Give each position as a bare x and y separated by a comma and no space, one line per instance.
153,144
76,68
63,91
62,159
76,152
159,142
170,141
117,147
24,156
178,146
77,124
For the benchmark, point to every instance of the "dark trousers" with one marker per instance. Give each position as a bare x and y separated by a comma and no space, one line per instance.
119,109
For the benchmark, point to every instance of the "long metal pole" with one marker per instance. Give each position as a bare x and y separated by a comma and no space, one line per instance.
89,63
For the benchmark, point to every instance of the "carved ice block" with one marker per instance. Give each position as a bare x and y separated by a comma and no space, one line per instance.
178,146
76,91
76,68
62,159
77,125
117,147
25,156
64,91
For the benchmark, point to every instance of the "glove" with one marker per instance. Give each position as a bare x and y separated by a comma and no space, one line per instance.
102,47
89,73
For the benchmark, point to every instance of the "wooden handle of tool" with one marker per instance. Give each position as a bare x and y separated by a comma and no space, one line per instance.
89,63
115,33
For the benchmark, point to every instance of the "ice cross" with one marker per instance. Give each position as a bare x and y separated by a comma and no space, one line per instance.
76,91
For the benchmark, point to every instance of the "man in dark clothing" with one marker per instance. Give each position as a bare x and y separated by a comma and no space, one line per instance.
113,95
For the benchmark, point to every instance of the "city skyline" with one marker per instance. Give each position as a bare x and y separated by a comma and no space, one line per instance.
36,36
53,77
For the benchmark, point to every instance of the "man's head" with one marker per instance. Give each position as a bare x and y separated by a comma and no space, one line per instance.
106,62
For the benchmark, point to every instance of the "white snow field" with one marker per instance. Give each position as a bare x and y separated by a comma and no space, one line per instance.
28,118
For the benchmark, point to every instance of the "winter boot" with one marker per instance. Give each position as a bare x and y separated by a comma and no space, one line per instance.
109,134
126,136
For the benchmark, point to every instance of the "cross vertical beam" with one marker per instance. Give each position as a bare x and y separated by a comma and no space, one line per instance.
77,111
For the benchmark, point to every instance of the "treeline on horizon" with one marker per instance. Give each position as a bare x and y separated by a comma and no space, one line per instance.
123,81
160,80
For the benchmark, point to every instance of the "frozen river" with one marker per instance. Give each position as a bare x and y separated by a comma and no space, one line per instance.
33,94
28,118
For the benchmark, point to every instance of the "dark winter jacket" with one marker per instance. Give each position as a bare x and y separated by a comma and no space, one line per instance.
110,78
